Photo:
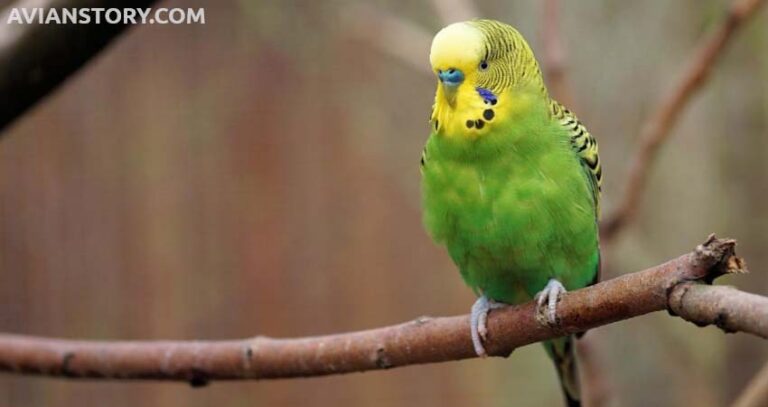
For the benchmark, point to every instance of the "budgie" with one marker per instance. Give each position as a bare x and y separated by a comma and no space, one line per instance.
511,181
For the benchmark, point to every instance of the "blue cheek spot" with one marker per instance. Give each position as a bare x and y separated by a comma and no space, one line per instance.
488,96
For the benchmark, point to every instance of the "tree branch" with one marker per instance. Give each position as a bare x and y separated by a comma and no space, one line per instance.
553,54
726,307
425,340
400,38
657,128
36,58
756,393
451,11
596,388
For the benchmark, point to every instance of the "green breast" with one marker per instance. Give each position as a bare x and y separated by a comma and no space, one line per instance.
512,207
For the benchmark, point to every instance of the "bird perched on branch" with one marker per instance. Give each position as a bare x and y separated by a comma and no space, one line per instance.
510,181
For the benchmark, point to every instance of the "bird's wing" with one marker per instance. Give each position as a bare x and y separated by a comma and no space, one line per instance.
585,146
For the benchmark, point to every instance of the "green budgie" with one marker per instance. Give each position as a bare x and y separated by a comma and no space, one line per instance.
510,181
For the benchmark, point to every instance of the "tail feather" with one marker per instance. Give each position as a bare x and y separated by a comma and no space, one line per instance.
562,352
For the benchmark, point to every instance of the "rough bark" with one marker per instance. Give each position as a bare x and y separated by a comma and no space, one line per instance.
424,340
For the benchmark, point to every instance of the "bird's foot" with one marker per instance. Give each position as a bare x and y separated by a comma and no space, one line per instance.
546,303
478,320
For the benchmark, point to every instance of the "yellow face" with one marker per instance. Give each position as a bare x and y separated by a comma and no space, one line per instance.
458,60
456,56
486,71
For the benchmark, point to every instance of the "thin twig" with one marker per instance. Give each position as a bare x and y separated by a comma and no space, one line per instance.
451,11
553,55
595,387
657,129
400,38
425,340
756,392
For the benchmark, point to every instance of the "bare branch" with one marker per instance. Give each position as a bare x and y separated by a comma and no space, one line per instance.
756,393
36,58
400,38
596,389
451,11
553,55
657,129
425,340
728,308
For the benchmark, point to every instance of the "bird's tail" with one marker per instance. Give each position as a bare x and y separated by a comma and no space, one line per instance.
562,352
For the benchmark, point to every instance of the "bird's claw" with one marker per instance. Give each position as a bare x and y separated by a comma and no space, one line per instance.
478,322
546,303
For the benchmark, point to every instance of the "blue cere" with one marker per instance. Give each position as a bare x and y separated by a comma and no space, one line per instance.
451,77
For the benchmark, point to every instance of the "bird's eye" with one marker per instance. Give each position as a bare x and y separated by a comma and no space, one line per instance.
483,65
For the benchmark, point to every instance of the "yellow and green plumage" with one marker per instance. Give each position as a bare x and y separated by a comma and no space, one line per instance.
510,178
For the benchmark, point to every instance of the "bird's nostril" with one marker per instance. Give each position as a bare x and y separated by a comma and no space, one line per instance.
451,71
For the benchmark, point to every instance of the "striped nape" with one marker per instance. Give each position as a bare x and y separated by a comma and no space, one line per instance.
511,60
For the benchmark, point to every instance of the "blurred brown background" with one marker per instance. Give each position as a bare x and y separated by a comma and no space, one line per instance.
259,175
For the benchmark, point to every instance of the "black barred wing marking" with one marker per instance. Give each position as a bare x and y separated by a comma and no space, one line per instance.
585,145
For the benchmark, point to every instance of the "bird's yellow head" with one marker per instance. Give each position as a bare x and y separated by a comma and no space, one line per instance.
479,64
456,54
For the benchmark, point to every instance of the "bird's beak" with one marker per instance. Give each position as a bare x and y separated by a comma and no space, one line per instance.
450,79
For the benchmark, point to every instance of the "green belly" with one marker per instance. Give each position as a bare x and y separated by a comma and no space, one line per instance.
512,223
